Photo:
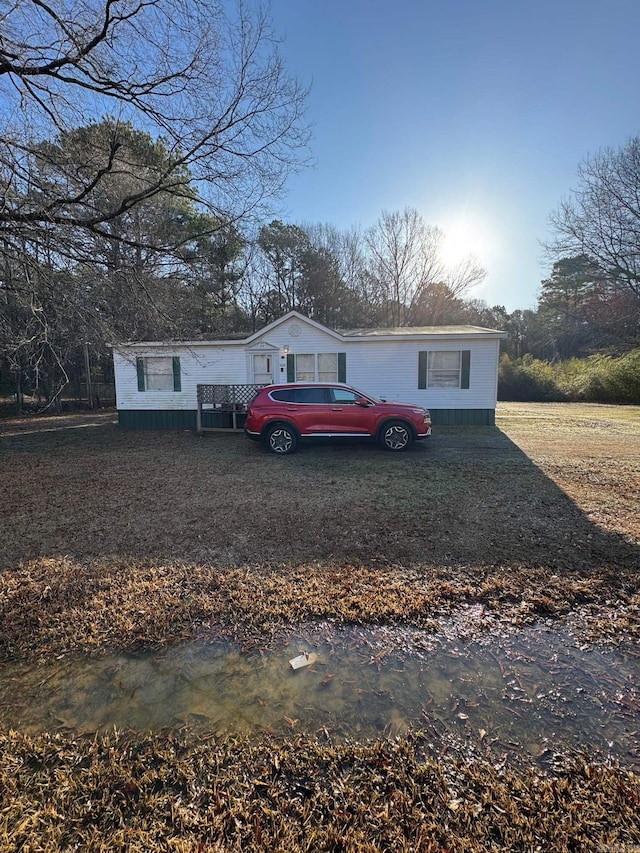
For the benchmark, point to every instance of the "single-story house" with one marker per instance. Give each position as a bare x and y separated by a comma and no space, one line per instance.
452,370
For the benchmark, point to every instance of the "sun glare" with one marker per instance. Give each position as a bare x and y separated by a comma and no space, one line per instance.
464,237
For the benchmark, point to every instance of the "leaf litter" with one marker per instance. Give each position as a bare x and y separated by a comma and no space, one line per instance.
546,526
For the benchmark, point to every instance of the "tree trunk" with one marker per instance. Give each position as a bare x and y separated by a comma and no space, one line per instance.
18,393
87,373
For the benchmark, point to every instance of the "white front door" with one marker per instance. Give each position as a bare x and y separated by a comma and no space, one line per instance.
263,369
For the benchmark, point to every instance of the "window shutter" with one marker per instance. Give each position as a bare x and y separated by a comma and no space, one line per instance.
140,372
466,368
422,370
177,386
291,367
342,367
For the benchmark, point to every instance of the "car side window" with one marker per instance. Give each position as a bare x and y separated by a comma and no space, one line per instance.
311,395
284,396
343,395
301,395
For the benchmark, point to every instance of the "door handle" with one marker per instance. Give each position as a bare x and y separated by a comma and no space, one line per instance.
337,408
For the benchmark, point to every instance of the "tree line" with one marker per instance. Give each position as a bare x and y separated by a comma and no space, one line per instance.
133,136
150,220
591,301
168,268
582,342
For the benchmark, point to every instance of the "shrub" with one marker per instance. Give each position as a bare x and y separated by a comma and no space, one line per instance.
526,380
597,379
605,379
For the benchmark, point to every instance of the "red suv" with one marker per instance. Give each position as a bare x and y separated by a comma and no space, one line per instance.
280,415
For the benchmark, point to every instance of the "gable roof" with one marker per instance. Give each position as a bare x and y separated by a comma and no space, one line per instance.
407,332
288,316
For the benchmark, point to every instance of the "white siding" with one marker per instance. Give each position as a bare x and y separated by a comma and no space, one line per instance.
309,340
389,369
384,368
297,335
206,364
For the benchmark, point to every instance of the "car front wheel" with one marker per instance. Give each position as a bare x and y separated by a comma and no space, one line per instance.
281,439
395,436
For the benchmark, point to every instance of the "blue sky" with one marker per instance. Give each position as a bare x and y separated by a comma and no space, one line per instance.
475,113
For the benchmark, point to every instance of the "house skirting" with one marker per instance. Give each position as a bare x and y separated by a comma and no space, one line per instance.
463,417
186,418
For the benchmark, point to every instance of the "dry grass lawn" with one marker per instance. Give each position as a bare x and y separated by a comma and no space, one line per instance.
115,538
541,513
553,486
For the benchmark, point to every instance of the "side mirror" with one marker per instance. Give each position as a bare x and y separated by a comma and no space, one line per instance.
361,401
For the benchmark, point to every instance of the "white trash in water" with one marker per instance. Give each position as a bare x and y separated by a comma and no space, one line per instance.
305,659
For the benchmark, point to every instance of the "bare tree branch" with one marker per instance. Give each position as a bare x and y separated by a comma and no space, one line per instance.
129,131
405,262
601,219
207,79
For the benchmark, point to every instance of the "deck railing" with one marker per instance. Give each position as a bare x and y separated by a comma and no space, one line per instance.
224,398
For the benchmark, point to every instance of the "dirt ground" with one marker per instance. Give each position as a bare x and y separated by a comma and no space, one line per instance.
134,539
539,515
550,485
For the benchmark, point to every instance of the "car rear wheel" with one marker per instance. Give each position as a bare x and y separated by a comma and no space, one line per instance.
281,439
396,436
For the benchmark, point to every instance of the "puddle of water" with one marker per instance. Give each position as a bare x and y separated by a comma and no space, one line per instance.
532,693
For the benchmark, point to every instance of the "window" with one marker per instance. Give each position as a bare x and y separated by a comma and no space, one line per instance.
301,395
282,396
327,367
158,373
311,395
444,369
343,395
305,368
320,367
